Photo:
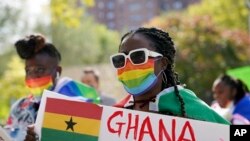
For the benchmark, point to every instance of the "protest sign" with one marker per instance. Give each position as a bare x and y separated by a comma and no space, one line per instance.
122,124
64,118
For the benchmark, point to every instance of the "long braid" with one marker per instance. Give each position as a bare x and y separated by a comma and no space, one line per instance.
164,45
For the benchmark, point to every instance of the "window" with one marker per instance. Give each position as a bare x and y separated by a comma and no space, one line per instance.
110,5
177,5
110,15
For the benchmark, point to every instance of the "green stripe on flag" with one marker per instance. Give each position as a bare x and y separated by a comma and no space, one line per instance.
88,92
57,135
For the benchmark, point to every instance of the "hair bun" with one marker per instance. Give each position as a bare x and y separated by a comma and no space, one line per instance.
38,41
30,45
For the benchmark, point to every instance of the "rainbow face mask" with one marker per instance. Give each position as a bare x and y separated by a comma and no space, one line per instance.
37,85
138,79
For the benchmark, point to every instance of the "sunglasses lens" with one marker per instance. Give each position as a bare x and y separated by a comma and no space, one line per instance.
138,57
118,61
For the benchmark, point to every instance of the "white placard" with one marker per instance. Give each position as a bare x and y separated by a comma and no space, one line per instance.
122,124
119,124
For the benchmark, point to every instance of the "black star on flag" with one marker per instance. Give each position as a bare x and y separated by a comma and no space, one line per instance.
70,124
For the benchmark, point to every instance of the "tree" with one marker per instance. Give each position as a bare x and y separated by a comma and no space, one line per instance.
11,86
89,43
4,59
69,12
227,13
204,50
79,38
8,23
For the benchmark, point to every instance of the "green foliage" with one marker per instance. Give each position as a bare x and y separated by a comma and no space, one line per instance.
69,12
11,85
8,23
86,42
204,50
5,57
89,43
227,13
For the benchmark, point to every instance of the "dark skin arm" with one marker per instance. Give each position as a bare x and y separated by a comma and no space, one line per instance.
31,135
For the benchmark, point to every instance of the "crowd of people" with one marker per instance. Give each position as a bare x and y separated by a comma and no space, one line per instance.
145,66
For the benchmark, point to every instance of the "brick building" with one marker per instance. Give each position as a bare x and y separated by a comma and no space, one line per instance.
128,14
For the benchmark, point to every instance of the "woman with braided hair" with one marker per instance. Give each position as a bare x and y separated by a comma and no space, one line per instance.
232,95
145,67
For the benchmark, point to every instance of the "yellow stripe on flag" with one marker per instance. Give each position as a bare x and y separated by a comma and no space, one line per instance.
82,126
134,74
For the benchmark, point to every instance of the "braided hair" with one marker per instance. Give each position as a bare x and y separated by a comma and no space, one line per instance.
237,84
32,45
164,45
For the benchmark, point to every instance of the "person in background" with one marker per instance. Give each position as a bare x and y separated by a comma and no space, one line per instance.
42,72
91,77
145,67
232,97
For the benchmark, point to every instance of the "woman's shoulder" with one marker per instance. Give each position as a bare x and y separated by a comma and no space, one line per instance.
242,107
195,108
244,102
182,91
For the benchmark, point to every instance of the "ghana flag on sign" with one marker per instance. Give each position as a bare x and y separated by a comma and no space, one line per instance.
66,120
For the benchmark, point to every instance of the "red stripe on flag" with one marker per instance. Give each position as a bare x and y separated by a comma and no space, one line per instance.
73,108
130,66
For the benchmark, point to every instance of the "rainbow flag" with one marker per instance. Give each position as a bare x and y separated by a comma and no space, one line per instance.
66,120
72,88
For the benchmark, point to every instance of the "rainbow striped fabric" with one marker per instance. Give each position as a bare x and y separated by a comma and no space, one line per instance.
66,120
37,85
137,77
69,87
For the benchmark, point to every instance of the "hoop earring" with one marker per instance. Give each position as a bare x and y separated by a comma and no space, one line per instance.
164,77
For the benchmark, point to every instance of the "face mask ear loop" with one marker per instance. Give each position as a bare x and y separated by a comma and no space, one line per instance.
164,77
57,77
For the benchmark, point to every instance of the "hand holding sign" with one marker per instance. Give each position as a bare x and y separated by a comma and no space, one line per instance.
3,135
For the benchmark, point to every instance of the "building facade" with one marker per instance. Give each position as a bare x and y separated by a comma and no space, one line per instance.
129,14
